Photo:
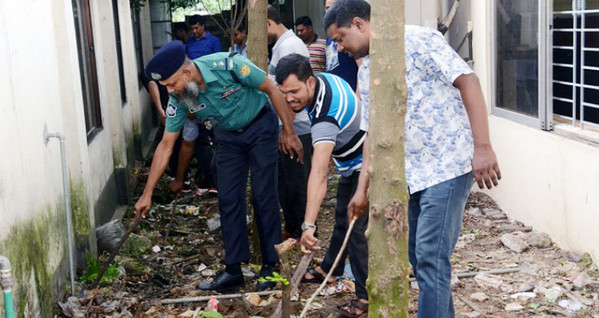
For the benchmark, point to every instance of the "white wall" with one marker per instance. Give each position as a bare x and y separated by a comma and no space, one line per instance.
550,182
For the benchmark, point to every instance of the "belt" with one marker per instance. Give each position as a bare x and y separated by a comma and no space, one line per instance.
265,110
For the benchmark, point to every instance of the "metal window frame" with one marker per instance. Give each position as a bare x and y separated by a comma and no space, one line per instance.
88,68
544,120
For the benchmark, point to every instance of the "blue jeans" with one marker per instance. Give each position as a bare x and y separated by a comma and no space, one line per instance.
435,218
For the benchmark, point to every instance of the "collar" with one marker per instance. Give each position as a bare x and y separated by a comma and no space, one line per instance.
204,70
318,94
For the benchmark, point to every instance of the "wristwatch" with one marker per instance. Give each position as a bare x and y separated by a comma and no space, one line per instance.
306,226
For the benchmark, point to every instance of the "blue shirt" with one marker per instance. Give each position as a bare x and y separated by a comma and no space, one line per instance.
341,64
205,45
335,115
438,144
241,49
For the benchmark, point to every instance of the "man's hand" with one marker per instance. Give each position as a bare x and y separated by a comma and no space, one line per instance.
308,242
162,117
357,205
290,144
176,186
142,206
485,167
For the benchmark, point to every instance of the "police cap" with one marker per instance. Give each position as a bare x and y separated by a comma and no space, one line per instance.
167,60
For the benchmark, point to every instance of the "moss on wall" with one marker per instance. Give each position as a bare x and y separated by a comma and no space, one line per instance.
37,250
28,247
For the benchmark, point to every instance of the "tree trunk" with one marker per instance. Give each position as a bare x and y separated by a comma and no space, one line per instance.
388,284
257,37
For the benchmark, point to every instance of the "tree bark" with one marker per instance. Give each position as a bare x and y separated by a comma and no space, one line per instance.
257,37
388,285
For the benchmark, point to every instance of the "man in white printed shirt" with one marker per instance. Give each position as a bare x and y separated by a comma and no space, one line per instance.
447,145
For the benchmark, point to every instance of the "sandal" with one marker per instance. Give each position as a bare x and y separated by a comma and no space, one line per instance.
351,309
316,276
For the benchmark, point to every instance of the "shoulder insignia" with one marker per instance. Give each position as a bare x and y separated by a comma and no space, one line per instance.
221,63
230,64
213,64
245,70
171,110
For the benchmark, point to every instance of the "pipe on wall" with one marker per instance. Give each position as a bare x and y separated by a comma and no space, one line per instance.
7,282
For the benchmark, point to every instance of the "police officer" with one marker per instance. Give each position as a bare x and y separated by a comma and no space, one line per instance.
234,94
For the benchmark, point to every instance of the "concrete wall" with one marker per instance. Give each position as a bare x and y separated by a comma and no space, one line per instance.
40,86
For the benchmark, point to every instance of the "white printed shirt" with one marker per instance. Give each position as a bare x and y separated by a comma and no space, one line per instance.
438,144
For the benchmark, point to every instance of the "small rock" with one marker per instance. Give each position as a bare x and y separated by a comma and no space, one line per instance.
473,314
480,297
539,240
254,299
247,272
213,223
494,214
523,296
570,305
582,280
475,211
575,257
463,240
513,307
209,273
454,280
553,293
526,287
514,242
414,286
486,281
202,267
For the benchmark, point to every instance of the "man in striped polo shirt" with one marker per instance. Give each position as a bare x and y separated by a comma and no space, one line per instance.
316,46
334,111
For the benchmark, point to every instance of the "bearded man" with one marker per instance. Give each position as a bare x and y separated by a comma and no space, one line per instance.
233,94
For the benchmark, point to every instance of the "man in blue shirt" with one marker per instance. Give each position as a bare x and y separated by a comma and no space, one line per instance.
201,42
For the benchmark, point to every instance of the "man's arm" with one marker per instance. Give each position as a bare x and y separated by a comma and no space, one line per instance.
291,143
358,203
484,164
159,162
317,188
155,95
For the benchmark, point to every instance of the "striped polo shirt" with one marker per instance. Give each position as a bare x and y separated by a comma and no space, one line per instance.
335,115
317,55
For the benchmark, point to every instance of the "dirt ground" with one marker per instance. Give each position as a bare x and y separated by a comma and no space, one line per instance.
540,279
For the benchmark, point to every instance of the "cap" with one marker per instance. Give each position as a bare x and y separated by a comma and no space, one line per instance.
167,60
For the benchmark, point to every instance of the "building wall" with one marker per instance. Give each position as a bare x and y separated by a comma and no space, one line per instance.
40,87
550,181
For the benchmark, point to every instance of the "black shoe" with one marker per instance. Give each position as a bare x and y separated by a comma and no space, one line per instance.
266,270
224,282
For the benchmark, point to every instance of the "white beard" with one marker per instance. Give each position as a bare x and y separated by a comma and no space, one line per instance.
189,97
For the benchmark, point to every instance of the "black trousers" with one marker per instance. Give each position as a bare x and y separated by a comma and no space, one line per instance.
293,184
255,149
357,246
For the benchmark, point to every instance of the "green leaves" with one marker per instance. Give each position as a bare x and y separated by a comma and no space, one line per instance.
276,278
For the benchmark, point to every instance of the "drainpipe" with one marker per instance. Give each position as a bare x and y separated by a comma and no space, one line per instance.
6,282
67,200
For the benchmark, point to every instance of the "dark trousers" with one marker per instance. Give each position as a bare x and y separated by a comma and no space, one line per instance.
357,246
204,152
255,149
293,183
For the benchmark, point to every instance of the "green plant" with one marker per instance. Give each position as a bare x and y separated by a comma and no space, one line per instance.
92,270
276,278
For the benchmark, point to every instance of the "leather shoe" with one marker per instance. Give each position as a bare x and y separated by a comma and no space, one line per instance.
265,271
224,282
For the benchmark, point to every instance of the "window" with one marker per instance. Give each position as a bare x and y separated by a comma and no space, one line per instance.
87,67
119,50
576,62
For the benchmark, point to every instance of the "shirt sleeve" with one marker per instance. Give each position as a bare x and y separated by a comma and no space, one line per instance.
176,115
443,58
324,131
248,73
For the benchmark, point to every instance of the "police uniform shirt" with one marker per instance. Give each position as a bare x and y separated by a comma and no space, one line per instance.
231,99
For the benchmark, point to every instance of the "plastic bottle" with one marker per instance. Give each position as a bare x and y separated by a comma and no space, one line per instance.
213,304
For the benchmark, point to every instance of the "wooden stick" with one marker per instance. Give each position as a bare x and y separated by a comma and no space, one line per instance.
300,271
491,271
326,279
207,298
116,250
285,303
